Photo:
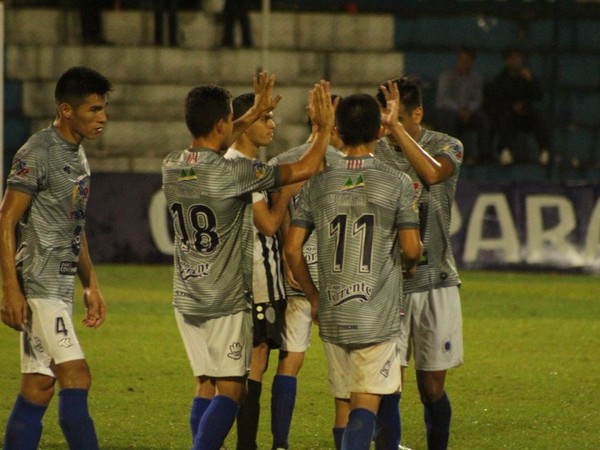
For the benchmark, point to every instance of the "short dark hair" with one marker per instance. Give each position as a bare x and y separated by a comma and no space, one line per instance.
204,107
410,93
77,83
358,119
242,103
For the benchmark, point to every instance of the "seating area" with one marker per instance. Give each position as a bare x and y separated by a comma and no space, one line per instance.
355,51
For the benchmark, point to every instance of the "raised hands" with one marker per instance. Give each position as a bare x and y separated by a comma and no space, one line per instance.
389,116
264,102
321,110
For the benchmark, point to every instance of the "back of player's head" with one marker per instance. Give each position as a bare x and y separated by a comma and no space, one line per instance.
410,93
204,107
79,82
242,103
358,119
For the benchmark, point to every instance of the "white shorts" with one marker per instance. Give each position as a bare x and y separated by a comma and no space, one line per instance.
372,369
298,325
219,347
432,329
49,338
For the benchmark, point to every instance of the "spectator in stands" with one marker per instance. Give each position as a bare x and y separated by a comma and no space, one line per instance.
236,10
160,7
512,96
90,13
459,105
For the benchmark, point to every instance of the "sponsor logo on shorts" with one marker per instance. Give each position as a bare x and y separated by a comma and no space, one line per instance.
385,370
67,268
65,342
235,351
36,343
447,346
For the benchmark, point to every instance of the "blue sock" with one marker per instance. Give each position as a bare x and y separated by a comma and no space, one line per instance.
360,429
75,420
338,435
24,427
283,400
248,417
388,423
199,406
437,422
215,423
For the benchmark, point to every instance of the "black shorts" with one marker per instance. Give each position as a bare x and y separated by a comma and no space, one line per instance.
268,320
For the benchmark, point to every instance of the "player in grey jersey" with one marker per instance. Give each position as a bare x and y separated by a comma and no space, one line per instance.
433,161
46,199
207,196
366,223
298,321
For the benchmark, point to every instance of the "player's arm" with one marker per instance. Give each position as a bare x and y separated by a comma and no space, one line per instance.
295,238
14,307
321,112
264,102
92,297
268,218
412,248
429,169
283,230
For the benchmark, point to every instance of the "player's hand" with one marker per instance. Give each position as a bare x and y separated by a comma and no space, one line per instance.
289,276
314,307
389,116
321,110
95,309
410,273
264,102
14,309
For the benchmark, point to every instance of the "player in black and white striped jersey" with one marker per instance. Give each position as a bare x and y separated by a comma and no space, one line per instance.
268,291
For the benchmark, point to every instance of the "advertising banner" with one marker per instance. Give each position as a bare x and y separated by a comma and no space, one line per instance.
495,225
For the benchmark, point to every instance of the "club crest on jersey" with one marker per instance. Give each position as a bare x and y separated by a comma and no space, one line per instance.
187,175
235,351
350,183
338,295
456,149
259,169
20,168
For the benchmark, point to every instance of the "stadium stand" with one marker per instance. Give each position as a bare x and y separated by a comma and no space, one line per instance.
306,44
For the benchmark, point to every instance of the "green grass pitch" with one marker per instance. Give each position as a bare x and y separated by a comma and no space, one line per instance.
531,378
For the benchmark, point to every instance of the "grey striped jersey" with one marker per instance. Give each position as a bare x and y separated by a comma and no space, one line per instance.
209,199
57,176
356,208
310,246
437,267
267,265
